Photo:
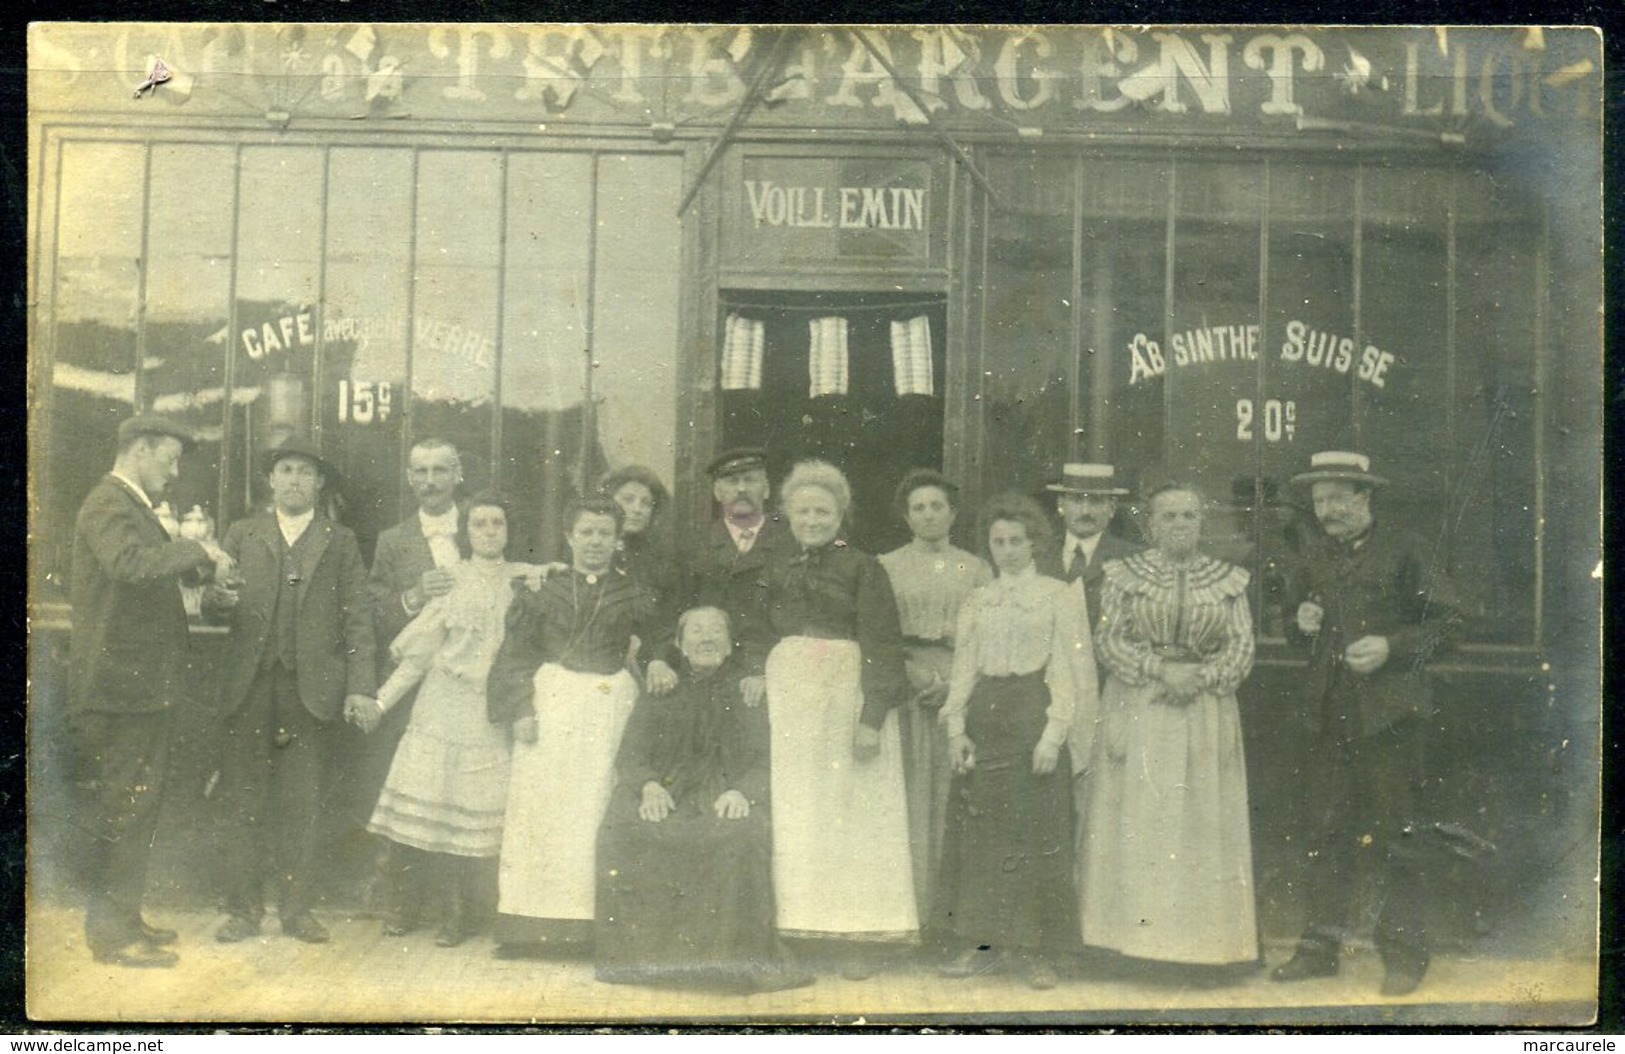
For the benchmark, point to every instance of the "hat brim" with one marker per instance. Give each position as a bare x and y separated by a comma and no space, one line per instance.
324,466
1334,475
1062,488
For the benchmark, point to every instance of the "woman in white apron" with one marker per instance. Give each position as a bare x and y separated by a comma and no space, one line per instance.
842,867
561,682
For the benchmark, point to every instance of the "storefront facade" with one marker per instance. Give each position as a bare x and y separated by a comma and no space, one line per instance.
1204,253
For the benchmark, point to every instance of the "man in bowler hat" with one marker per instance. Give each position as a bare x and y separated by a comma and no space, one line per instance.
1373,607
126,670
300,658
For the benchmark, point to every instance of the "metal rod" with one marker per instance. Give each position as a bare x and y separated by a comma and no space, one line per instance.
752,94
942,137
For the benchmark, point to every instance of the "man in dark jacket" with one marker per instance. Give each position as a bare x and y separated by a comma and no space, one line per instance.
1373,608
411,565
1087,502
730,569
300,657
126,671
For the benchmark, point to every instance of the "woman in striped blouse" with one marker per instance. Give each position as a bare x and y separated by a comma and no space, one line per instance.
1165,852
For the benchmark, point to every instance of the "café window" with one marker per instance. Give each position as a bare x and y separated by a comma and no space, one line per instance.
1220,320
522,303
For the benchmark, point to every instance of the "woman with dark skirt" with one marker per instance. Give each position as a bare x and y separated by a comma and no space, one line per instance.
561,682
642,555
685,883
1020,710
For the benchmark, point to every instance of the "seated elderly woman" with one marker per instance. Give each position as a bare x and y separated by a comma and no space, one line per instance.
685,886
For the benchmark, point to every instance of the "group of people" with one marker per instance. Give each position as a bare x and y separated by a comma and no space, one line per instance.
778,752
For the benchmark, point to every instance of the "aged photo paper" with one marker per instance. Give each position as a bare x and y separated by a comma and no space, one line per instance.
1310,737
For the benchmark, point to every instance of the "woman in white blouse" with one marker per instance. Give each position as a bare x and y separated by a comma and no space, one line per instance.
1020,711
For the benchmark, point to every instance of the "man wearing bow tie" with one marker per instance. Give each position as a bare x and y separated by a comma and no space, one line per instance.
1087,502
410,567
126,671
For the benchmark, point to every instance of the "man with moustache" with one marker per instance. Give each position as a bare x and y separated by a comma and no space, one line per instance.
299,658
411,566
728,572
1087,503
1373,608
126,670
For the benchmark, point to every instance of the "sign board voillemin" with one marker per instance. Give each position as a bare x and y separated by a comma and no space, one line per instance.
883,208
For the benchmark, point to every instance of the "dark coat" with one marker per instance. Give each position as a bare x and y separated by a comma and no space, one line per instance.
1111,547
1389,586
719,575
398,562
334,643
129,625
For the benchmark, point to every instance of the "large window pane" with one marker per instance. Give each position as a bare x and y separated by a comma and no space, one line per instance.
188,308
93,377
454,315
1213,344
279,219
361,393
636,310
1494,523
1030,353
544,338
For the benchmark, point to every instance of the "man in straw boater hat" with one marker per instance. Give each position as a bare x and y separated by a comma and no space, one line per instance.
126,671
299,659
1087,502
1373,607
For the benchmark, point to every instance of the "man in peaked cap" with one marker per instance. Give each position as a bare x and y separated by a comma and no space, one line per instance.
1372,608
300,658
1087,502
126,671
729,571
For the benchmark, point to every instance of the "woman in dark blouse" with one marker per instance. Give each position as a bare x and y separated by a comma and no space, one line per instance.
841,860
641,554
560,680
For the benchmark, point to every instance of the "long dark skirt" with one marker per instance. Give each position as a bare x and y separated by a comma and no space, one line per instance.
688,900
1007,852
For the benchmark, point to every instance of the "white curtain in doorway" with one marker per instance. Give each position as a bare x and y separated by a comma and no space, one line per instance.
911,356
742,354
827,360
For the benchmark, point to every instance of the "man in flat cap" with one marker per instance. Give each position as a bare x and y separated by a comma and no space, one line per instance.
300,658
1087,502
729,571
1373,607
126,671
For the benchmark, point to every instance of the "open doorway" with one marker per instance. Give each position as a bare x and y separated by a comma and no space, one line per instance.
853,378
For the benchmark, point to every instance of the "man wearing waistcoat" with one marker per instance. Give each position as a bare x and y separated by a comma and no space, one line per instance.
1373,607
301,657
126,670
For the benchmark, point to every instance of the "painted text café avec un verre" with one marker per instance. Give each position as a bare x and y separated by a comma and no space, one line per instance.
1211,251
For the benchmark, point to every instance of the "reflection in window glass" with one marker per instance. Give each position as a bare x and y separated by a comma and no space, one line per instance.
1212,346
544,338
1125,260
454,313
279,224
94,335
1308,366
635,317
1496,416
362,390
188,305
1029,356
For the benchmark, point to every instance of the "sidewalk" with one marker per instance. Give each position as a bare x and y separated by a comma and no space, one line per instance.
362,976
